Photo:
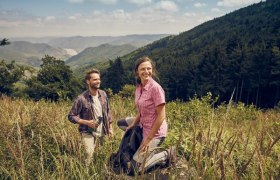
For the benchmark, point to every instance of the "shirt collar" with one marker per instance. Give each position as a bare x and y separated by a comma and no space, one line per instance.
149,83
89,95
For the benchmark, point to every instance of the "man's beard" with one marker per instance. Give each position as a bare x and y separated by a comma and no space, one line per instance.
94,86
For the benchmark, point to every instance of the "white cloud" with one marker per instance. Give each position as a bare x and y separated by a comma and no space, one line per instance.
140,2
100,1
154,18
234,3
74,17
199,5
216,10
121,14
97,12
76,1
166,6
190,14
50,18
195,19
204,19
108,1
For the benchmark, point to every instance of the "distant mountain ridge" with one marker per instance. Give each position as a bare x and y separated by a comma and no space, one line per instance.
28,53
80,43
103,53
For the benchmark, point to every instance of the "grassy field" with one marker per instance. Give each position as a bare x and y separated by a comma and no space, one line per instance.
227,142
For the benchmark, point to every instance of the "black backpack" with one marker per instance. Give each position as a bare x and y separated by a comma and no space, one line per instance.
122,160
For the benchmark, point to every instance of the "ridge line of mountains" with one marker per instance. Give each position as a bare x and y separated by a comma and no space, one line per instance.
78,50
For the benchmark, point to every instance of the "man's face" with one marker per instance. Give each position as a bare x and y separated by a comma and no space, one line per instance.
94,81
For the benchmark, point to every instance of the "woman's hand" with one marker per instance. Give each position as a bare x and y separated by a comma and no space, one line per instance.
144,146
135,122
129,127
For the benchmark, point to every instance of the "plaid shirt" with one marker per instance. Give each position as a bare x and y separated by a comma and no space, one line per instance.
82,109
147,98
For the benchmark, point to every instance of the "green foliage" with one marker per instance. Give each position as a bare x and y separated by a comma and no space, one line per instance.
53,70
127,91
54,81
114,77
9,74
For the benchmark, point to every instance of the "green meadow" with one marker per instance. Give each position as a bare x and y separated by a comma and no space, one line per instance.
229,141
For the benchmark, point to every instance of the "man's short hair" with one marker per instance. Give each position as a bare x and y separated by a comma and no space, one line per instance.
87,77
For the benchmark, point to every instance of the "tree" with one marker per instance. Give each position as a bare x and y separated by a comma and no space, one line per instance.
275,73
114,78
212,73
54,81
9,74
4,42
54,71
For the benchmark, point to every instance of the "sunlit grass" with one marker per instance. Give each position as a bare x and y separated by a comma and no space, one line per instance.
38,142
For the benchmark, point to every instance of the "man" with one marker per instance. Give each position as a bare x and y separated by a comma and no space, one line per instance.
91,111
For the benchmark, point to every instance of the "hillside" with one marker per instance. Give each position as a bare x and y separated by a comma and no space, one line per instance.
103,52
27,53
238,53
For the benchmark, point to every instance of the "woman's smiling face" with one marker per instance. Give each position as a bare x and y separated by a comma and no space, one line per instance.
145,71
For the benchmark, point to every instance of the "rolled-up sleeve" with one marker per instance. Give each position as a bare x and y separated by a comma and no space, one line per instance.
74,114
158,95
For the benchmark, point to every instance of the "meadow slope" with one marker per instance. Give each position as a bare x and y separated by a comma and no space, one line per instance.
229,141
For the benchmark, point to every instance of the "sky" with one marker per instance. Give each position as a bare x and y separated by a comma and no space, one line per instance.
44,18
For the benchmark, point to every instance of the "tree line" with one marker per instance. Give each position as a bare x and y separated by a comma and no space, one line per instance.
251,75
54,81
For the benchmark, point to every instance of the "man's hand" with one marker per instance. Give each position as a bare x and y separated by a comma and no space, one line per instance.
92,124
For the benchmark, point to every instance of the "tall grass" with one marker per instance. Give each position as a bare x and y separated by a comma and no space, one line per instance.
241,142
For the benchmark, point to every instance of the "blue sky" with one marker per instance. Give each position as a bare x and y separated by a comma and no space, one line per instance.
40,18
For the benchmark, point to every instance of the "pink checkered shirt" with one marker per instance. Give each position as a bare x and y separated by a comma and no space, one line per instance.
146,100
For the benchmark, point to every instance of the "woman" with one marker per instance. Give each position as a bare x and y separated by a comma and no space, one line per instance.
150,103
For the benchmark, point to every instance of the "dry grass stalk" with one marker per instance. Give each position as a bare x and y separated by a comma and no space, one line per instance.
219,137
41,156
192,155
245,166
260,163
271,144
247,139
22,164
200,153
222,166
231,147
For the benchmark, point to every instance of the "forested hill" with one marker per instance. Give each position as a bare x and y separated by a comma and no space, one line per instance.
237,52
